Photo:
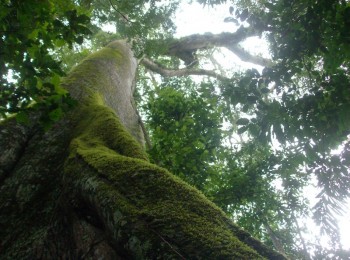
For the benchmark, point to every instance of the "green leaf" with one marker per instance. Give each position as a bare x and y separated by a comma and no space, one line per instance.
55,80
252,99
241,130
265,90
22,117
33,35
60,42
56,114
242,121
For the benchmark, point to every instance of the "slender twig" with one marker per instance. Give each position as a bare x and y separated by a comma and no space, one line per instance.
123,15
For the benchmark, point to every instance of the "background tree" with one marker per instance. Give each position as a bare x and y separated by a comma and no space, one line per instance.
219,135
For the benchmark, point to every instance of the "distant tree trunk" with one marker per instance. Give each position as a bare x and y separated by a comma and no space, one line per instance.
86,190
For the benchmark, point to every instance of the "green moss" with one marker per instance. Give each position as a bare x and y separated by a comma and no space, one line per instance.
100,132
85,79
107,54
112,169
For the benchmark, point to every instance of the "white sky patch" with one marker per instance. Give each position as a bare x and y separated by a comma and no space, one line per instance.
108,27
11,77
194,18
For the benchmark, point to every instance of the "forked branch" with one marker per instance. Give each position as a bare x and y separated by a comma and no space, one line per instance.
186,47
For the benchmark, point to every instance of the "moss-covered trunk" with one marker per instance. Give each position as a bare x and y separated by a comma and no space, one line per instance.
86,190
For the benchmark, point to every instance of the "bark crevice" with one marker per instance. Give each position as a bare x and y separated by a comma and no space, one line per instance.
20,135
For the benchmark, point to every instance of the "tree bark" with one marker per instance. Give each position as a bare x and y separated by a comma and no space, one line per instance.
86,190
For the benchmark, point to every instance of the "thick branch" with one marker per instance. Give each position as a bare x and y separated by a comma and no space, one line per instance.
208,40
165,72
247,57
185,48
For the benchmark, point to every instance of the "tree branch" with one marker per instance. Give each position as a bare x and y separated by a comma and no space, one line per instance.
209,40
247,57
186,47
179,72
123,15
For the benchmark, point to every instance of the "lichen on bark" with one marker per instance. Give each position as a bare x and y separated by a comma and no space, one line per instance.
85,188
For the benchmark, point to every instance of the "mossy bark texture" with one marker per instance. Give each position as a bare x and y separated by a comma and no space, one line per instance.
86,190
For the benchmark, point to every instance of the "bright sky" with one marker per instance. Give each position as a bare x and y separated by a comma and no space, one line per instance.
196,19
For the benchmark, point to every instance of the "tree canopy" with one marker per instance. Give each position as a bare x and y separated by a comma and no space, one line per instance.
252,141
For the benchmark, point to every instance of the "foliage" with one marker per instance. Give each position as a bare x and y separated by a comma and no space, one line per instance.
146,23
185,123
33,46
181,115
28,71
70,57
309,95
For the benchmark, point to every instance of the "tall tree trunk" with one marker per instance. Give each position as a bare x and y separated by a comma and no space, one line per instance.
85,188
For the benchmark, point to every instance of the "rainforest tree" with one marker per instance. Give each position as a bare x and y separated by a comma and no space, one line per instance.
75,178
